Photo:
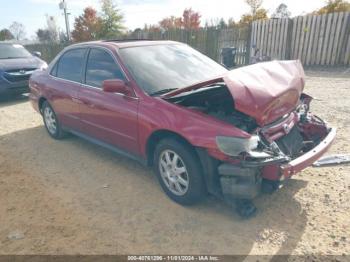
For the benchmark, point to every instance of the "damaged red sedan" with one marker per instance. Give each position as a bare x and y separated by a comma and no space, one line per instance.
204,129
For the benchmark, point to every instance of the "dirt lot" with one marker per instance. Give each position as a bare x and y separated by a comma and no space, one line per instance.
71,197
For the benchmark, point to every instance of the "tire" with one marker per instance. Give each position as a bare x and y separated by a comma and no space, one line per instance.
172,174
51,122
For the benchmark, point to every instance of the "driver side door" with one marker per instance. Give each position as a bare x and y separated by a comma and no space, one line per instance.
107,117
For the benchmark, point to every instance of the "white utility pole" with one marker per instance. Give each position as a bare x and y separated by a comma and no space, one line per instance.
63,5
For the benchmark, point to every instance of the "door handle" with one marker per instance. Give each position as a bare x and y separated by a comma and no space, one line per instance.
79,101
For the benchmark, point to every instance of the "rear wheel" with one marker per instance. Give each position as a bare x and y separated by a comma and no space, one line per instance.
179,172
51,122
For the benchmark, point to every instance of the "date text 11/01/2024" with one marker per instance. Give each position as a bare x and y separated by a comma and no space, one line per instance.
174,258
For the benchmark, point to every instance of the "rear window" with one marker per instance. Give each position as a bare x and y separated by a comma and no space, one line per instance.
70,65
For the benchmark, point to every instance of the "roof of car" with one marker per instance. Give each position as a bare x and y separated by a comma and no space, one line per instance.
127,43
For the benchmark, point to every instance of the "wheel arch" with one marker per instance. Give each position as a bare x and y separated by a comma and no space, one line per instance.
40,103
157,136
208,164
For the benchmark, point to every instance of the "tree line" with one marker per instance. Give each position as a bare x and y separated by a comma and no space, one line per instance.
109,23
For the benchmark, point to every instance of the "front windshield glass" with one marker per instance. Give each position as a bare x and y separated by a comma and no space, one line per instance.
166,67
10,51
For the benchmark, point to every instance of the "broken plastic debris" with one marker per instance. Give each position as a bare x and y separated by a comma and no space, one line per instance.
15,235
332,160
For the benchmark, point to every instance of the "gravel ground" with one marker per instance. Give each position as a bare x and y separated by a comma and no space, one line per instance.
72,197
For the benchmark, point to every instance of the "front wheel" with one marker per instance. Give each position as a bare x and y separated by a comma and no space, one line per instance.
179,172
51,122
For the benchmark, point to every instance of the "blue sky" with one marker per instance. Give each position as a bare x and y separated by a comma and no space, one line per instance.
32,13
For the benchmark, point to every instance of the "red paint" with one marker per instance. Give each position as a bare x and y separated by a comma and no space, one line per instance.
117,86
272,133
265,91
308,158
125,121
271,172
128,120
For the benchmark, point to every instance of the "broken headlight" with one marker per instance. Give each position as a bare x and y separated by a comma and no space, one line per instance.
234,146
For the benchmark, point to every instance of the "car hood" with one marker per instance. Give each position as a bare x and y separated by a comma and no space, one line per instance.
265,91
20,63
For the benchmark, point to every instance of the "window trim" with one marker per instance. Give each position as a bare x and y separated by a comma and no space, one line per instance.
106,50
55,66
59,59
88,47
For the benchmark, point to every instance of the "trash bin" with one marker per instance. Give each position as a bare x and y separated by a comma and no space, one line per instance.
228,55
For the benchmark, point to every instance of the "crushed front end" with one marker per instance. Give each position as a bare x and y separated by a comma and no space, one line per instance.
282,137
279,150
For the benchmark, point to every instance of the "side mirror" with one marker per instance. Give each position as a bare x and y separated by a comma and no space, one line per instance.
116,86
37,54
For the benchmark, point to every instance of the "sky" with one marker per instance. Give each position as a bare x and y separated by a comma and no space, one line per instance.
32,13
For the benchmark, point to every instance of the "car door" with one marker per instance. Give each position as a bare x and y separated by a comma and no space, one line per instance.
65,82
108,117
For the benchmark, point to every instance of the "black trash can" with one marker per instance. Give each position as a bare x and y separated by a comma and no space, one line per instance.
228,55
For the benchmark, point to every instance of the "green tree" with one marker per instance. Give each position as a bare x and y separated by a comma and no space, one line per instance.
222,24
254,6
333,6
112,19
248,18
281,11
256,12
5,34
49,34
43,35
231,23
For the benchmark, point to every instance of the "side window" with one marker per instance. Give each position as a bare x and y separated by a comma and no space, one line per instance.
101,66
70,65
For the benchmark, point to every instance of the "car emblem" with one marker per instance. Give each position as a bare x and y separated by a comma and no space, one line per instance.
22,72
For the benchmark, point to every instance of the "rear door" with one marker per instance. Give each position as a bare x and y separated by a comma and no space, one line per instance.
65,83
109,117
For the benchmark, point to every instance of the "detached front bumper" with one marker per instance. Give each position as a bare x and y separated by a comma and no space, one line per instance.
245,180
300,163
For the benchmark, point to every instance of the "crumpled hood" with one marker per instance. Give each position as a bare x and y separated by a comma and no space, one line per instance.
266,91
20,63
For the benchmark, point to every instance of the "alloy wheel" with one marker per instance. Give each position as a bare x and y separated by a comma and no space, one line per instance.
173,172
50,120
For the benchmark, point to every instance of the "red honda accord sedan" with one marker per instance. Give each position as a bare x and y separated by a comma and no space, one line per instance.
203,128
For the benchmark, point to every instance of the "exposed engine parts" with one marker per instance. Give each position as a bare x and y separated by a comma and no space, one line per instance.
217,102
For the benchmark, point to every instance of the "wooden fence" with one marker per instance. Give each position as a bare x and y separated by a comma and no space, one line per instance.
209,41
314,39
239,38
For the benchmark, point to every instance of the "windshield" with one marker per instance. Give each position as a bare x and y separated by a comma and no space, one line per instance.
9,51
167,67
